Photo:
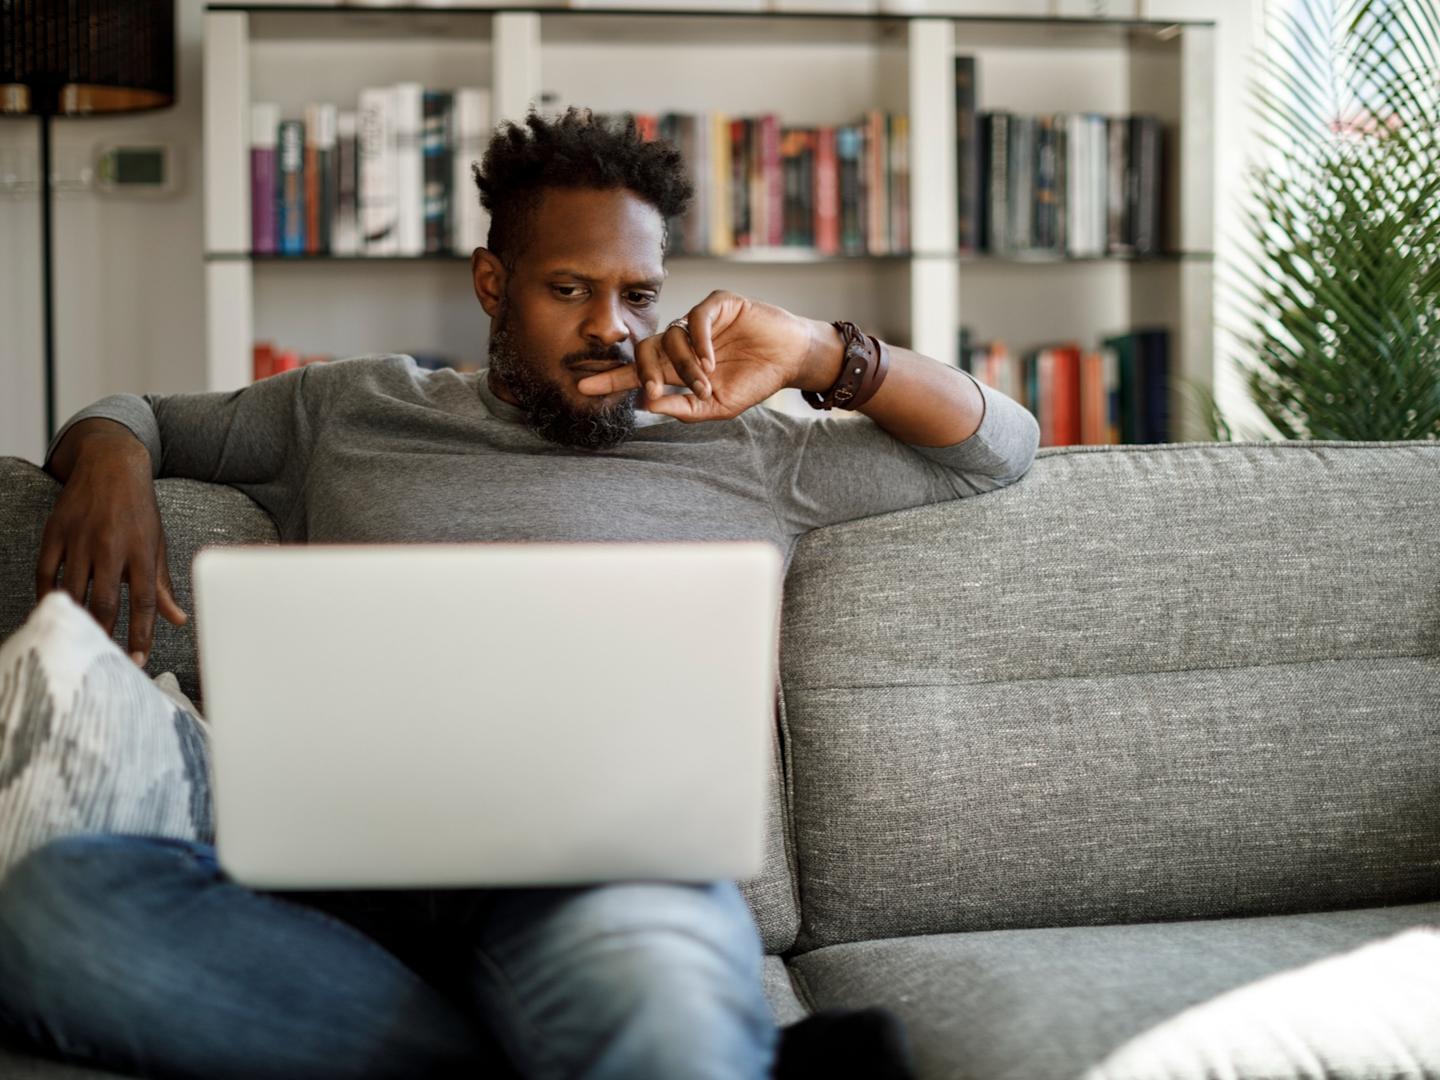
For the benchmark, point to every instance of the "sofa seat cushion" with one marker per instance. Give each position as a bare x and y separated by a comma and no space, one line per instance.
1338,995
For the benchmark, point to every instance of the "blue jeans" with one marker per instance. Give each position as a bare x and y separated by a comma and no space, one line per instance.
140,955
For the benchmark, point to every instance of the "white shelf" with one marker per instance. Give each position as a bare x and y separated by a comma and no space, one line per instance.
809,68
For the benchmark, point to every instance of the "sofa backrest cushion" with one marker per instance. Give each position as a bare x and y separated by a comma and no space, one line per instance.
194,514
1142,683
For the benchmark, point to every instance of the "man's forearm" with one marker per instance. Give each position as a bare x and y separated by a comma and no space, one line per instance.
922,401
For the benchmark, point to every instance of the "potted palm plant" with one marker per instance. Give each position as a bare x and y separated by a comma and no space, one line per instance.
1342,299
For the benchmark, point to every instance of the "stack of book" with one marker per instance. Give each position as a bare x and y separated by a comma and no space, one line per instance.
390,177
1081,185
1116,393
826,190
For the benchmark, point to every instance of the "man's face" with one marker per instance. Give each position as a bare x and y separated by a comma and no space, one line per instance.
583,293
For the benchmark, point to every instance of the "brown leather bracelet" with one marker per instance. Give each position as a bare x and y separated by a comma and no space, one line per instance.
876,375
861,359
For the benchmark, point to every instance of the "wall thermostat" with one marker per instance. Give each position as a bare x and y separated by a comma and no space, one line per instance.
136,170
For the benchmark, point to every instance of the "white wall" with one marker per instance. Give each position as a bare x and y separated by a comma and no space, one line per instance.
129,305
129,271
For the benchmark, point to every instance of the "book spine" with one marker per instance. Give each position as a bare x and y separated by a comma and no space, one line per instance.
849,139
774,182
827,193
877,202
377,179
410,168
967,156
1113,435
328,165
345,234
1145,148
312,180
435,154
1022,183
1000,240
468,128
694,129
264,190
739,185
790,170
1076,180
1153,358
1067,395
806,220
292,187
1117,219
899,183
722,207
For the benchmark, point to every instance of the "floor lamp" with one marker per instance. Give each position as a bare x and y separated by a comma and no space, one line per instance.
80,58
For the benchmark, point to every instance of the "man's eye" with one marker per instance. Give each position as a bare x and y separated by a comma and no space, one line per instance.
642,299
557,289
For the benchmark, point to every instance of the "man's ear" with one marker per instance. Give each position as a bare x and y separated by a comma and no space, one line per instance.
489,276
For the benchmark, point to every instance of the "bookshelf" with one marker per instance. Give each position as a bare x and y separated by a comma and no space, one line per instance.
811,68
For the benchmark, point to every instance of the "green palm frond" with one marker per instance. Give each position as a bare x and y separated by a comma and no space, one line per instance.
1343,301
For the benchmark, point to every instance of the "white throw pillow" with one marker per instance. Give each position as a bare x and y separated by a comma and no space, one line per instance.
89,744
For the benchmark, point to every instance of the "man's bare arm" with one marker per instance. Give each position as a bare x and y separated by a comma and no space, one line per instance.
105,530
922,401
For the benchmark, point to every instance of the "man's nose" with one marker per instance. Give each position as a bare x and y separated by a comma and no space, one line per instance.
605,321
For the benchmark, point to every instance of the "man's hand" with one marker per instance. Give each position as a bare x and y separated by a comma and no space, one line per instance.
106,528
737,353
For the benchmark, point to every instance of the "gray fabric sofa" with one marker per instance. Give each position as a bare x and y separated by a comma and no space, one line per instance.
1063,766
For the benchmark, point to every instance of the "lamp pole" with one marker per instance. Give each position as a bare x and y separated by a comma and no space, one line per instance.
48,271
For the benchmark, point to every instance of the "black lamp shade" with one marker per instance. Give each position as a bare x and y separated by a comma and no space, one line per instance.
86,57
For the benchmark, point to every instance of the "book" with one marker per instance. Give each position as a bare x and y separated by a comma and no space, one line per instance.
291,172
344,230
722,211
827,193
436,142
320,176
1021,176
899,181
877,186
1117,186
772,183
408,103
264,178
375,165
995,201
1143,192
849,145
1152,358
967,156
469,127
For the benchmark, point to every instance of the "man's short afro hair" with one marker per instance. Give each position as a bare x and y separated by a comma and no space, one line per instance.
577,150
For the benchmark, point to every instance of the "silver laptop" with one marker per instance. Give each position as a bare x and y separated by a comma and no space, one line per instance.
472,715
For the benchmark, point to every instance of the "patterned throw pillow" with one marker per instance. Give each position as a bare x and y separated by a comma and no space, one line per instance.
88,743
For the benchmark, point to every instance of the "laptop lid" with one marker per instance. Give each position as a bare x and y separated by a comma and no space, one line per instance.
471,715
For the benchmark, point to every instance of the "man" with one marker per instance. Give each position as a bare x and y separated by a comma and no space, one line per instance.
569,435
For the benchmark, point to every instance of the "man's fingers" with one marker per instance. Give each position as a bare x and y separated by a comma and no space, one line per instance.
47,568
165,592
681,353
105,593
626,377
650,367
142,610
75,574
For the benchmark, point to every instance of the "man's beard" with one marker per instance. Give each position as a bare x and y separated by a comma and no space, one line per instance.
549,411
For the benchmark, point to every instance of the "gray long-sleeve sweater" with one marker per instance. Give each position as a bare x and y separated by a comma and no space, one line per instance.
376,449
